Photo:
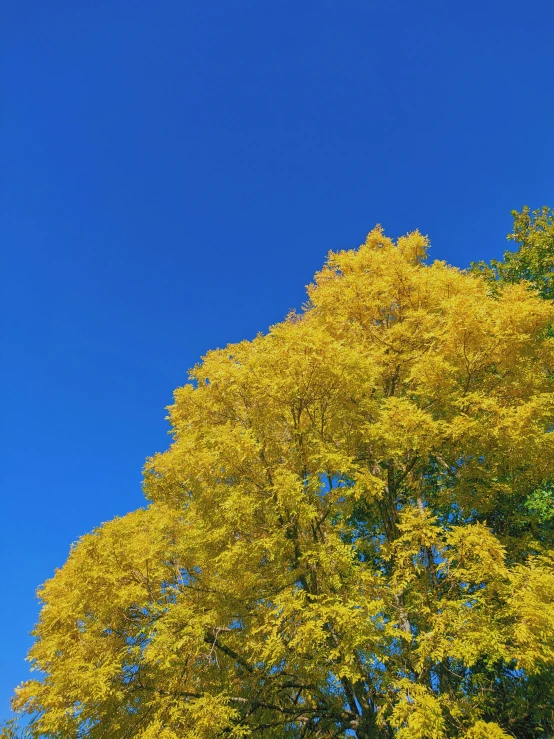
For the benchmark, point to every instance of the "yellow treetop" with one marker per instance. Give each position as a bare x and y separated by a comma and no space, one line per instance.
339,541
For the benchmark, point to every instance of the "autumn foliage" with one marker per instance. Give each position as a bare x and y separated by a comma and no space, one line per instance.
350,534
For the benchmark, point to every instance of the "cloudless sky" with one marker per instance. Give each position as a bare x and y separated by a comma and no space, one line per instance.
172,175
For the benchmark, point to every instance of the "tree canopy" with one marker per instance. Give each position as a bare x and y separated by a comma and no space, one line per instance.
346,536
533,261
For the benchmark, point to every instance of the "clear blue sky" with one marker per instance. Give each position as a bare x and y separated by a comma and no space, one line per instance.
174,172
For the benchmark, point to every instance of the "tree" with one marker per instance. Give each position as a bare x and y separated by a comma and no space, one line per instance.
338,541
533,261
533,264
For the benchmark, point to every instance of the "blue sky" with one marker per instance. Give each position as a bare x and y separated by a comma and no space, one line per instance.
173,173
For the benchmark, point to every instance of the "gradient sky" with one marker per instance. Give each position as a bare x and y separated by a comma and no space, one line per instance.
174,172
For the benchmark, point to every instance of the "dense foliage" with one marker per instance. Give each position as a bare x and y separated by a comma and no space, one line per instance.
351,534
533,261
